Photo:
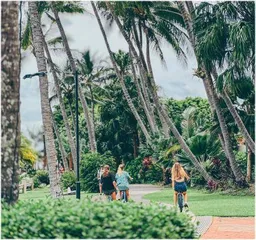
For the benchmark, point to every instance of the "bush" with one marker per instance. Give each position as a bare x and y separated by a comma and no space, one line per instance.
133,167
154,174
84,219
89,166
42,176
68,179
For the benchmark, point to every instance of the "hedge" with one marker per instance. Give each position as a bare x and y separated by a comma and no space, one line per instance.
69,218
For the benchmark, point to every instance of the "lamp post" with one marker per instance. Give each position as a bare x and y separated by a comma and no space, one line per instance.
42,74
77,138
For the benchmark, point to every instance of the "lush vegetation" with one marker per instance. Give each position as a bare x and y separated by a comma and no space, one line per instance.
87,219
202,203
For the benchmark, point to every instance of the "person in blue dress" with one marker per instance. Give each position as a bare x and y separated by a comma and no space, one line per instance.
122,180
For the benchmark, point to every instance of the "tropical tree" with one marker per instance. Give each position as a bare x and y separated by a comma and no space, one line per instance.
55,7
10,101
38,41
156,100
121,79
204,73
28,155
236,51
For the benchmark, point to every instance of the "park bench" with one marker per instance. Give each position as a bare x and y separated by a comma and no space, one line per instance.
26,183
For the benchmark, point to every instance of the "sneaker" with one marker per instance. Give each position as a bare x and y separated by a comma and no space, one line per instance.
186,205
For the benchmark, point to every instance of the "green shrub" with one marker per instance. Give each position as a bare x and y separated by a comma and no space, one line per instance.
42,176
133,167
154,174
84,219
36,182
89,166
68,179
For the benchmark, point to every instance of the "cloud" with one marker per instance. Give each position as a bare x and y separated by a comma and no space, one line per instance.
176,80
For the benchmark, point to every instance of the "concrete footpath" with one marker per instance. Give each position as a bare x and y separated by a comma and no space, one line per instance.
208,227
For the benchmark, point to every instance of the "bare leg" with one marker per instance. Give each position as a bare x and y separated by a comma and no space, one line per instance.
113,195
127,194
175,198
185,197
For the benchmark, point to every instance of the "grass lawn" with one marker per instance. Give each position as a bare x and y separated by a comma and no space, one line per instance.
44,193
210,204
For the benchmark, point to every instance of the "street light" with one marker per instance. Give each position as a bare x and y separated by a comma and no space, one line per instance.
42,74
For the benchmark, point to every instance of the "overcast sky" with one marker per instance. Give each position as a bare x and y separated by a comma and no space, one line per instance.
175,80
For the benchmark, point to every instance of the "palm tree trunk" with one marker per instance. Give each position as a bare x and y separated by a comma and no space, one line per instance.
150,119
45,105
249,166
163,111
238,121
120,77
235,115
62,106
163,122
61,147
213,98
10,105
90,127
72,114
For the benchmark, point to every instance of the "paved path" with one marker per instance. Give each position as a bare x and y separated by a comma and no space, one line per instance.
208,227
231,228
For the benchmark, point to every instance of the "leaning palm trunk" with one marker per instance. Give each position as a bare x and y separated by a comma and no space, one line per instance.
236,116
61,147
62,106
145,80
88,120
163,111
163,122
150,119
120,77
212,98
10,106
238,121
45,105
91,132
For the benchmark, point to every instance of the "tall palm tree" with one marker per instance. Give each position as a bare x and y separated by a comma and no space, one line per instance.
38,42
61,103
211,94
238,59
61,147
162,110
120,77
10,101
90,124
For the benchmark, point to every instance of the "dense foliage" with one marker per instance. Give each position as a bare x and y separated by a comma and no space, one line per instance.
41,176
68,179
89,166
87,219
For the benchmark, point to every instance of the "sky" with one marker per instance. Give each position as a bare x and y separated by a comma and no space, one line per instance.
175,80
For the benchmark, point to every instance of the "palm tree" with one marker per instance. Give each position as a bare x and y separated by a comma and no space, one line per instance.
121,79
61,147
205,75
90,124
61,103
159,106
238,58
10,104
38,41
